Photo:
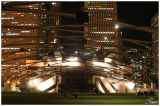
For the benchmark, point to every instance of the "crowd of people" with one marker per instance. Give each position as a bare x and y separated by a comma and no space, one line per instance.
145,93
139,93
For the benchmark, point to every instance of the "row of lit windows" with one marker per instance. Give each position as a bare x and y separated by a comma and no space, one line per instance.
103,32
106,41
7,18
108,18
10,48
24,24
12,65
17,33
156,41
95,8
109,47
12,33
19,14
23,53
27,24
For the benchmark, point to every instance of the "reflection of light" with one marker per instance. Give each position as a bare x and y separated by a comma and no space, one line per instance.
100,88
59,59
115,85
108,60
30,83
99,64
71,64
116,26
72,59
107,85
46,84
130,85
34,82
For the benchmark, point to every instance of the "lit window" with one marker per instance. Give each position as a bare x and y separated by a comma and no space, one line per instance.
53,3
8,18
25,31
10,48
12,33
14,22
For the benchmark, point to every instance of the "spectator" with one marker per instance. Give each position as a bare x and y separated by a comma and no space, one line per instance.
151,93
75,96
139,93
145,93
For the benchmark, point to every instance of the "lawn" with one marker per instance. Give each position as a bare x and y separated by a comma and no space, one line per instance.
47,98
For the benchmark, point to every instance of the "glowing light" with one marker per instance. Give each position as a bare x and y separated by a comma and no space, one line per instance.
18,82
25,31
34,82
99,64
105,38
108,60
130,85
55,41
8,82
116,26
72,59
59,59
46,84
76,52
53,3
71,64
12,33
86,53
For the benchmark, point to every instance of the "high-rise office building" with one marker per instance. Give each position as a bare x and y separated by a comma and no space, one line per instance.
102,34
155,24
19,42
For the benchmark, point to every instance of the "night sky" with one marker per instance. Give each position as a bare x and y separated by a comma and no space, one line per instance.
136,13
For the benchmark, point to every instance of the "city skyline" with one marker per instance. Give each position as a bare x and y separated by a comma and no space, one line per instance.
92,47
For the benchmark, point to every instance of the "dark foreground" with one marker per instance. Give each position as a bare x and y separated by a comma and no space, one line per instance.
45,98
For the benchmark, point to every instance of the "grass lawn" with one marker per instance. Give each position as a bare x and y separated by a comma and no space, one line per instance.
46,98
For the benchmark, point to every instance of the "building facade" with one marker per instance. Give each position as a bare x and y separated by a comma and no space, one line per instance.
101,35
20,42
155,37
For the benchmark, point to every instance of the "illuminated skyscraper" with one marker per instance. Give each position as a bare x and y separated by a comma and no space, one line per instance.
104,36
155,24
21,37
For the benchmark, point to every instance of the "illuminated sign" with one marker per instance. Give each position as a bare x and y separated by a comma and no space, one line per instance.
86,53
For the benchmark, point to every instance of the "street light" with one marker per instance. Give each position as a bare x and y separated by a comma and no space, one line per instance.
105,38
76,52
116,26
